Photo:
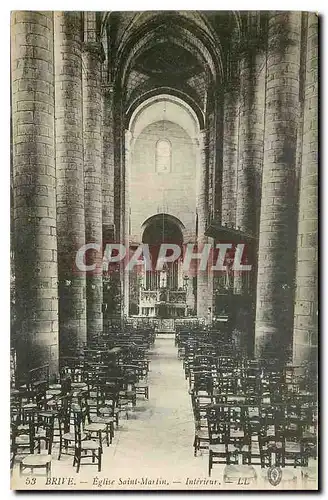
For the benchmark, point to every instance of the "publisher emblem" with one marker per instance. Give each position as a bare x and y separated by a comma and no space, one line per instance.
274,475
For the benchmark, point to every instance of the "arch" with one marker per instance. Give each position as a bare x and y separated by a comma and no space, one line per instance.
171,219
177,111
168,91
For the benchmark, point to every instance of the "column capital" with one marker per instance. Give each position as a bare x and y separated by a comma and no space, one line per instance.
94,48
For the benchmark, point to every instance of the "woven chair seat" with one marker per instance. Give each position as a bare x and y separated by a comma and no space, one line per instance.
36,460
70,436
23,439
89,445
95,427
102,420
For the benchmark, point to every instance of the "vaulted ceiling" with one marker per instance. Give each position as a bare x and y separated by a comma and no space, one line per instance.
169,60
182,51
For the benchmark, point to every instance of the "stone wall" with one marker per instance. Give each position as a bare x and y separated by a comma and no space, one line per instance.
153,192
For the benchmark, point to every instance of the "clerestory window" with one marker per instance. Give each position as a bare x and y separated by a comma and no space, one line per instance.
163,156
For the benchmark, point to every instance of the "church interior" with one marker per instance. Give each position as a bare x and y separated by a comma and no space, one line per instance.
185,128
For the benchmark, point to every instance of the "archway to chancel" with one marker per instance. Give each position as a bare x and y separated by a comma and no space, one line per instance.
161,200
163,230
162,292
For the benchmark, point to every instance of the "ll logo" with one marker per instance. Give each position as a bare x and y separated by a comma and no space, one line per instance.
274,475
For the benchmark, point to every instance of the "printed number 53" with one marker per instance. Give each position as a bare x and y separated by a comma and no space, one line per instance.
30,480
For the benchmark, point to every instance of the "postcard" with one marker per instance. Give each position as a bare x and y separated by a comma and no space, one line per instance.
164,250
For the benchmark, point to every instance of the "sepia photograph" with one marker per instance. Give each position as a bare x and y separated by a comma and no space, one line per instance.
164,250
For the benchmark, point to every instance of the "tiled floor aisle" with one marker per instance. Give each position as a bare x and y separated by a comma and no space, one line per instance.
155,444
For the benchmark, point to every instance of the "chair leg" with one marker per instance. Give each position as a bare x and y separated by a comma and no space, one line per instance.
209,463
50,444
60,447
78,458
195,446
99,460
100,441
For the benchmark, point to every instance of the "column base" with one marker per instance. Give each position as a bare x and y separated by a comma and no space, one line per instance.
271,343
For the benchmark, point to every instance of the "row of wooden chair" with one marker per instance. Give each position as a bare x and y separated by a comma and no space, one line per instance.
81,410
247,412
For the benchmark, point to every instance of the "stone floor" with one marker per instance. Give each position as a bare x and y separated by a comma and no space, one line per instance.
153,449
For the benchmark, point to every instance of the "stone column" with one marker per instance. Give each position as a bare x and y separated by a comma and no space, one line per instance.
92,141
126,281
34,191
108,166
70,185
250,156
212,141
202,210
108,228
230,157
305,339
210,284
276,253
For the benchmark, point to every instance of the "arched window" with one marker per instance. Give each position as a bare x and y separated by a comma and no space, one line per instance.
163,156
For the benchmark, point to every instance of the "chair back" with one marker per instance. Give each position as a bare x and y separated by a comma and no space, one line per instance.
78,417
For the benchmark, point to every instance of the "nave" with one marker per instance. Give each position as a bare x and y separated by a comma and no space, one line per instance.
152,446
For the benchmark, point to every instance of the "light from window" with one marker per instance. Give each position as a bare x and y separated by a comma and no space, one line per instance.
163,156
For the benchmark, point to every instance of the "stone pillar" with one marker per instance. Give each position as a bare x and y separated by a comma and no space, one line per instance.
250,157
210,284
215,152
70,185
202,210
126,281
34,191
92,141
305,339
212,140
230,157
108,166
274,302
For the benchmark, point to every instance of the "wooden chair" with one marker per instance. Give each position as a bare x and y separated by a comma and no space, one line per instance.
22,440
44,431
295,452
108,410
89,447
36,461
200,404
272,449
28,405
216,420
141,387
93,429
